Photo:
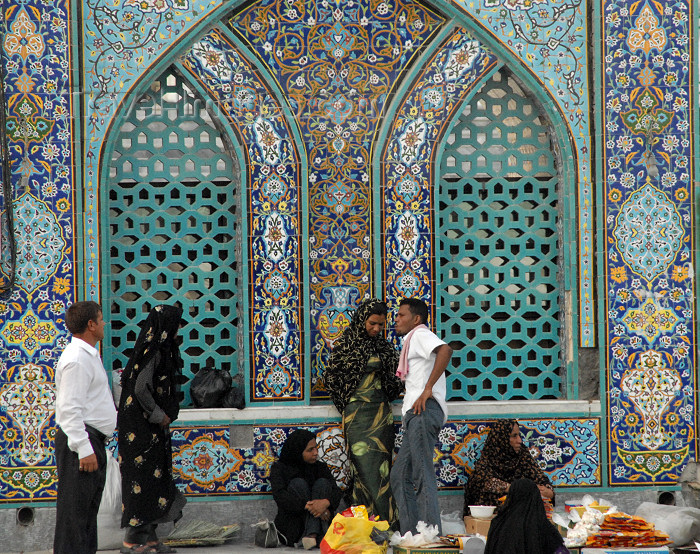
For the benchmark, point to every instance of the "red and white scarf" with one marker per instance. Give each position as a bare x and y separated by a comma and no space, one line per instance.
402,370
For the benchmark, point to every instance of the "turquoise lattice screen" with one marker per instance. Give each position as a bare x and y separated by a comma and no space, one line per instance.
499,247
173,224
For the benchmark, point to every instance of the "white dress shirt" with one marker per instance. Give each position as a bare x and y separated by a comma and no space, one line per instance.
83,396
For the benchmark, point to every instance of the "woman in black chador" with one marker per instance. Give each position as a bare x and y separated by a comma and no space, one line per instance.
521,526
150,401
503,459
304,490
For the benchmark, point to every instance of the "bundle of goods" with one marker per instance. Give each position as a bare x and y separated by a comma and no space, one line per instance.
620,530
548,508
593,506
455,540
465,543
588,524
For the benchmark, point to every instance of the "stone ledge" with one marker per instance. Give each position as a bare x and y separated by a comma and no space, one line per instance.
285,412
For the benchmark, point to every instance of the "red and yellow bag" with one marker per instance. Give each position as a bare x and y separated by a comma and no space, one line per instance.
350,535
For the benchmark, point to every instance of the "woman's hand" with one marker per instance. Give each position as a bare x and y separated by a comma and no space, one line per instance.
317,507
546,492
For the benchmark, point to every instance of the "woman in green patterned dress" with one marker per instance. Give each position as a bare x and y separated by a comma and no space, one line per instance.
361,380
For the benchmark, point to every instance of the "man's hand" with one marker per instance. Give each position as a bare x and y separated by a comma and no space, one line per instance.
165,421
419,404
317,507
442,357
88,463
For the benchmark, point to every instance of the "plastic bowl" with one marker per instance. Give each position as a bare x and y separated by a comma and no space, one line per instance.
482,512
571,504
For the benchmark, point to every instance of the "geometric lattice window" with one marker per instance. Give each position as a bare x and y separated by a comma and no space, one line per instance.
173,226
499,249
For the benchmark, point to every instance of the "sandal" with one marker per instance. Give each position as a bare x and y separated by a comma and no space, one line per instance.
308,543
137,549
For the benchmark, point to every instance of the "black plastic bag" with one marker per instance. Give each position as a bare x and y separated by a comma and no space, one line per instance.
209,387
234,398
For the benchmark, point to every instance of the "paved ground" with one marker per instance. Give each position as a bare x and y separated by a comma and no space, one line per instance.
226,548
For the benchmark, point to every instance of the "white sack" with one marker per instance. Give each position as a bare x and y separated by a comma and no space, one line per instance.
681,524
109,517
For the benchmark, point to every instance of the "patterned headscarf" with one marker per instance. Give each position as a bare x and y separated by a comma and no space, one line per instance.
348,361
499,460
158,336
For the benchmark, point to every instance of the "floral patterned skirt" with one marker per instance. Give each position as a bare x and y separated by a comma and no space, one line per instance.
369,432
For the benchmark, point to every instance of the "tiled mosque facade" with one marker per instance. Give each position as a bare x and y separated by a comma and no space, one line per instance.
525,166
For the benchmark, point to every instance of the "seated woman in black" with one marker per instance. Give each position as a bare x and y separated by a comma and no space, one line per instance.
503,459
521,526
304,490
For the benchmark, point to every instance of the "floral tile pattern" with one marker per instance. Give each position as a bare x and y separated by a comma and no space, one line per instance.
408,172
38,86
204,463
338,64
651,362
334,69
274,206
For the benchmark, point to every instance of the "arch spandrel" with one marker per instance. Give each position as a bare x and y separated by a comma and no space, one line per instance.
339,64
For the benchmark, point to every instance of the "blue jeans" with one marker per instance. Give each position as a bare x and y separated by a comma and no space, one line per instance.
413,480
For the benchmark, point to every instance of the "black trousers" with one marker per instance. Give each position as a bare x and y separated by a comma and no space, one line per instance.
294,526
79,495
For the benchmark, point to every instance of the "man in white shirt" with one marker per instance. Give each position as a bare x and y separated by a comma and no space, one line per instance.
424,358
85,416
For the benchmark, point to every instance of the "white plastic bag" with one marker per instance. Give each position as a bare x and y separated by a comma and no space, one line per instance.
266,534
681,524
109,517
426,534
453,524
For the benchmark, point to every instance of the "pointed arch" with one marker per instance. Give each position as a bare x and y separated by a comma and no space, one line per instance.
269,203
407,169
274,197
552,66
171,225
499,247
414,142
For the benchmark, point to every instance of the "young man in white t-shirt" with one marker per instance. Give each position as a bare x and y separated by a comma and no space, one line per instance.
424,358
